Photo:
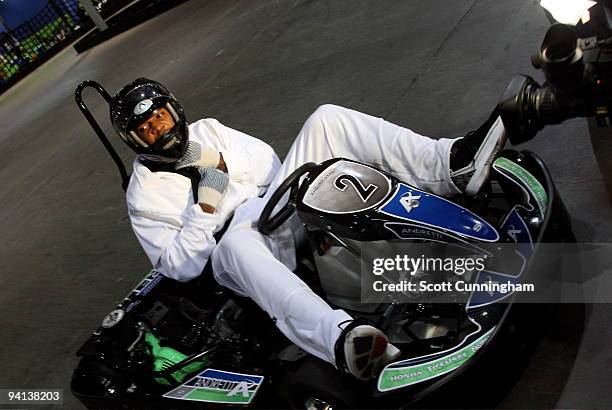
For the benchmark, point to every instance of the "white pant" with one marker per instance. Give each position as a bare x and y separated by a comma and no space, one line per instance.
260,267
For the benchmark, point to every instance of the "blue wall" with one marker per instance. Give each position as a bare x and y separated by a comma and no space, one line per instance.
16,12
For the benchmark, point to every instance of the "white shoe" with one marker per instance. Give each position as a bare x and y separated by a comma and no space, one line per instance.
365,351
479,169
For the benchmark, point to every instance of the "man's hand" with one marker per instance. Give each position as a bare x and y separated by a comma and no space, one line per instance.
213,185
196,156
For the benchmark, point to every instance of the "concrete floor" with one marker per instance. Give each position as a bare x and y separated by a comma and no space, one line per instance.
68,254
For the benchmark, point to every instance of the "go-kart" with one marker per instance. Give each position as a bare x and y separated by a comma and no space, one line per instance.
171,344
196,344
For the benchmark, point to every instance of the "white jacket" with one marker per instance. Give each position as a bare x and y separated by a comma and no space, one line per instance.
175,233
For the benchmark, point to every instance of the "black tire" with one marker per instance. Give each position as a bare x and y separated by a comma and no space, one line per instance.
318,380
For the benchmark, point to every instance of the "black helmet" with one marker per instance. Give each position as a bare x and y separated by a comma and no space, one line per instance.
136,102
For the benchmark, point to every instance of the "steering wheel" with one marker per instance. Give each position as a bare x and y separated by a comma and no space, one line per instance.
267,223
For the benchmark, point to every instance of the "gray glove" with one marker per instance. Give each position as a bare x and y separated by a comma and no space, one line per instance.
196,156
213,185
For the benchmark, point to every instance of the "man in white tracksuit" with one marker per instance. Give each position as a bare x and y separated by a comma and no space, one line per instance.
232,170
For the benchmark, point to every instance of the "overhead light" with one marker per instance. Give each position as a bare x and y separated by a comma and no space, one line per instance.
568,11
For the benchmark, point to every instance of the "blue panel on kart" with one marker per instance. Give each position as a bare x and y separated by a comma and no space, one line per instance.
418,206
229,376
515,230
480,298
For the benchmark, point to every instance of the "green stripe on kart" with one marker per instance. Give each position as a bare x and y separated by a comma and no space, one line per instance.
218,396
533,185
391,379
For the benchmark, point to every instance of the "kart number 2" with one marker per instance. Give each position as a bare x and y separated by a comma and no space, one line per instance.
344,180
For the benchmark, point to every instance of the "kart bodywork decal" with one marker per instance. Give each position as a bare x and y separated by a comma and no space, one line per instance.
516,230
411,204
512,169
148,283
414,231
395,378
218,386
481,298
347,187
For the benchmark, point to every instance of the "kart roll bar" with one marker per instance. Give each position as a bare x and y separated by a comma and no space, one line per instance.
125,178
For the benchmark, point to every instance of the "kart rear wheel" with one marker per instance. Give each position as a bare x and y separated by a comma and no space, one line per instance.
317,385
312,403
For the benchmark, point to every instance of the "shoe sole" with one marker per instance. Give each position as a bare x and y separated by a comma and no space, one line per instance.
369,349
493,143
